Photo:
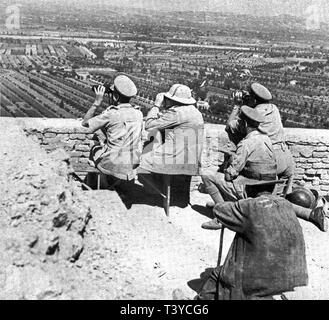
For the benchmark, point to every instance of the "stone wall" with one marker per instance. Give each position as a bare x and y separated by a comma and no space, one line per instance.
310,147
67,134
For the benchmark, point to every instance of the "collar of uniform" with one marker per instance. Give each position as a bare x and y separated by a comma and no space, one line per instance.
253,133
122,105
125,105
177,107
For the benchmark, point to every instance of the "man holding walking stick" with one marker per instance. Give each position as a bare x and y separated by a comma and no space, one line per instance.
267,256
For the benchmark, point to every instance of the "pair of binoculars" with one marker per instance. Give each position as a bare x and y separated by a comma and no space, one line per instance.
107,86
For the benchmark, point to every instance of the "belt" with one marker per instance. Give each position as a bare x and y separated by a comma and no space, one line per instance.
259,176
260,171
256,172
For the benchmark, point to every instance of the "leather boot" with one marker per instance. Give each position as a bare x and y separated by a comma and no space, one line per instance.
212,225
210,204
319,219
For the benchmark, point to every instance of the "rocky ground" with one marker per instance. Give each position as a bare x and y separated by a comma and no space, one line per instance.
59,242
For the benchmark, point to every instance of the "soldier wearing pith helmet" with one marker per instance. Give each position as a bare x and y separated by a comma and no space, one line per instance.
181,125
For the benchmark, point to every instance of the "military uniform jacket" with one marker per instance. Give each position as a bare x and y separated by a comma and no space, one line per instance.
267,256
122,126
182,129
272,126
254,158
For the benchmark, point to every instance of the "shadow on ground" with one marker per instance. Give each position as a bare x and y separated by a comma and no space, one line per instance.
203,210
137,193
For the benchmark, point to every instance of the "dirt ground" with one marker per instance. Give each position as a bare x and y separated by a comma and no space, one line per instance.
59,242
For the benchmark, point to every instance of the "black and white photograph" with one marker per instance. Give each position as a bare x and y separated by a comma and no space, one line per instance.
161,150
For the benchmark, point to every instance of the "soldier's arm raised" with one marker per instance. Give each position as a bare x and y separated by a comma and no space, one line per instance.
153,121
92,110
233,120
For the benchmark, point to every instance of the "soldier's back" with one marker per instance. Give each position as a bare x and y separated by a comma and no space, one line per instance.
273,124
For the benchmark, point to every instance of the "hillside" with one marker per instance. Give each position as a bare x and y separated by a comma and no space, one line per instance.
59,242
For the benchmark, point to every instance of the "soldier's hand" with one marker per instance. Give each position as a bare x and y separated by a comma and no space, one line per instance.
99,91
159,100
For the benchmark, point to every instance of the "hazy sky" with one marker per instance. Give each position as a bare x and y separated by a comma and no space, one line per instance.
266,7
257,7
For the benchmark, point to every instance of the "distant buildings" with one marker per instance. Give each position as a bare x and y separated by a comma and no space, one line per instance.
87,53
82,75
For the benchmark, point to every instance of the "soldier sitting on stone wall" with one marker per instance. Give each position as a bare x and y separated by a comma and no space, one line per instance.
260,98
177,150
122,125
253,161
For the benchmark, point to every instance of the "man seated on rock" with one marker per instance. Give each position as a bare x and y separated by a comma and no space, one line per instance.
253,160
259,97
121,124
267,256
181,127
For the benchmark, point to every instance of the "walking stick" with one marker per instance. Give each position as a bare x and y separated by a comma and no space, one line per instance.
220,251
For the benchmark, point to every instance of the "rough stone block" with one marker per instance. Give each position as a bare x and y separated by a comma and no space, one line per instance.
77,136
58,145
76,154
311,171
64,137
318,154
309,178
50,135
321,165
301,160
316,182
54,130
312,160
304,151
322,148
74,162
83,148
56,139
299,171
83,160
70,143
325,174
49,148
39,135
304,165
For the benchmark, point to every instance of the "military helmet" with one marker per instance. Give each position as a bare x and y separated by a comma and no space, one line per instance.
303,197
180,93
